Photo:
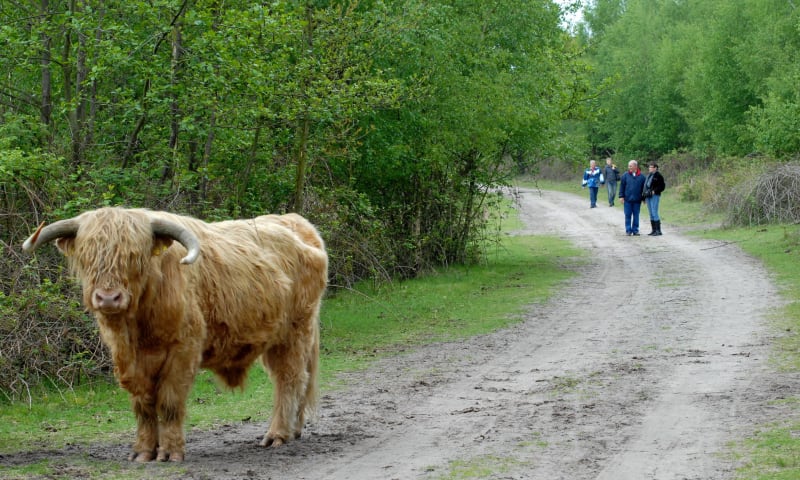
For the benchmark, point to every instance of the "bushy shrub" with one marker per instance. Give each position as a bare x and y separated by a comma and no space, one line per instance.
773,196
45,337
356,240
47,340
560,170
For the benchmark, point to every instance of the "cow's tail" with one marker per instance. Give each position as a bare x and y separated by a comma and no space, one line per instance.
312,388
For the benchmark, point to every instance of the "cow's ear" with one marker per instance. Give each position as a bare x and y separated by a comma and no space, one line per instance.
66,245
160,245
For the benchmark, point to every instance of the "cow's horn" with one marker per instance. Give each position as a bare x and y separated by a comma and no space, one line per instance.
183,235
42,235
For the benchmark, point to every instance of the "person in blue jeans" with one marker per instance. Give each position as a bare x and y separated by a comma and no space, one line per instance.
631,188
654,184
593,178
611,175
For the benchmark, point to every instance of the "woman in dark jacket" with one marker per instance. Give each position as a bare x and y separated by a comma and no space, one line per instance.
653,186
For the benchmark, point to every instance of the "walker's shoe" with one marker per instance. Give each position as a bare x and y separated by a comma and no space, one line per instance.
635,234
653,226
593,206
657,227
628,233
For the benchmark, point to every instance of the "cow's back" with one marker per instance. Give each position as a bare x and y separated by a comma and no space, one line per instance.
301,227
310,273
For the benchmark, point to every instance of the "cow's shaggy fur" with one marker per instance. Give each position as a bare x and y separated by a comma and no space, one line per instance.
253,293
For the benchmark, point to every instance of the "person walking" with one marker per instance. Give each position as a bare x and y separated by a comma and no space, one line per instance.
593,178
654,184
611,174
631,188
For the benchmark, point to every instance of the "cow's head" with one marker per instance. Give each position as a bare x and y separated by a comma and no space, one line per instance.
110,250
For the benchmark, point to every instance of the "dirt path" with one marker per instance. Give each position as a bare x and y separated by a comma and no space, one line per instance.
644,367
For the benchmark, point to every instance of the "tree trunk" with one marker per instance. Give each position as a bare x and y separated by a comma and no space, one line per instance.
244,178
304,126
468,172
81,73
134,137
207,149
92,98
177,53
46,108
69,92
301,158
174,108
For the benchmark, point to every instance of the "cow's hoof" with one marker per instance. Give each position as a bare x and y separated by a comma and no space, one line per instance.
142,457
272,441
164,456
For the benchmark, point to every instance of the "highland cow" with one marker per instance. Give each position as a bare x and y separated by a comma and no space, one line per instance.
172,294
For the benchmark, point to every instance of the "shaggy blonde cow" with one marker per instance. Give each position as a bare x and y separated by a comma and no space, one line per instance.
172,294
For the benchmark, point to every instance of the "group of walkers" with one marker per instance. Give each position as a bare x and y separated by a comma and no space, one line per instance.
634,189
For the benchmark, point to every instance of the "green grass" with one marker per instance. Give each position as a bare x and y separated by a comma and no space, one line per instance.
772,455
86,468
103,409
454,303
477,468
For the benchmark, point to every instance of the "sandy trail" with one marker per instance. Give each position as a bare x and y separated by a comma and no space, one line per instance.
645,366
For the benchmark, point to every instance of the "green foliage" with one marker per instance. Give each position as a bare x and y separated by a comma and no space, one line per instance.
714,77
638,51
487,96
775,126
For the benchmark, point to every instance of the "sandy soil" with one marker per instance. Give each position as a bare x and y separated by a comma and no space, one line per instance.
645,366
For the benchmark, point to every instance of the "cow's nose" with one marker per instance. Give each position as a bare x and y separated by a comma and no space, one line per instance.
108,300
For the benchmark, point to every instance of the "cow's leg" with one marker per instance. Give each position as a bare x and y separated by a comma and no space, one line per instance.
137,377
144,450
176,380
287,366
310,397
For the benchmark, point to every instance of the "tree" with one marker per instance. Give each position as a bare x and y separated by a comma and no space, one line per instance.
489,85
715,77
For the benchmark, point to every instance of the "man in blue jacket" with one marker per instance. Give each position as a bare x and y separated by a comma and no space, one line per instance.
593,178
630,193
